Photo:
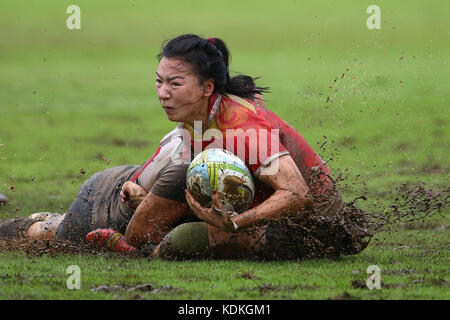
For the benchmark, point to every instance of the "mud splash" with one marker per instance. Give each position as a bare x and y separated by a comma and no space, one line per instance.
411,203
334,228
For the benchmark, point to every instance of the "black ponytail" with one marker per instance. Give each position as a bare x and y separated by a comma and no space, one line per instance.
210,59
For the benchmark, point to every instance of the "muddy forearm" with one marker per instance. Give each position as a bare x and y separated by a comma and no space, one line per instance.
281,203
153,219
291,194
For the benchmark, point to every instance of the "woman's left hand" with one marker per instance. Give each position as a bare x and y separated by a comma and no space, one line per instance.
216,216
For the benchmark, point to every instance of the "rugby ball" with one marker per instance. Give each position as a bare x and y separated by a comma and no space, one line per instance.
221,170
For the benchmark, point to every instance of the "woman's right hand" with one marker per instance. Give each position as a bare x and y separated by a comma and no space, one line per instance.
133,193
216,216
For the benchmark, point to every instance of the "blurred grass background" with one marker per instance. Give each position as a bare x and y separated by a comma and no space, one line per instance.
74,102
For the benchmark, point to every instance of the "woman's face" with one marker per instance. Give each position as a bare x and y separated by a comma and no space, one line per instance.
180,92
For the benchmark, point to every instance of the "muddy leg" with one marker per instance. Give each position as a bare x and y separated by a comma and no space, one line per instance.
45,230
37,226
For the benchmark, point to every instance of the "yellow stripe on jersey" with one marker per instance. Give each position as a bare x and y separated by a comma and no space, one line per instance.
241,101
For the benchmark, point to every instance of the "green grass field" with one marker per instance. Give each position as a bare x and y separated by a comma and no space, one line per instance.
74,102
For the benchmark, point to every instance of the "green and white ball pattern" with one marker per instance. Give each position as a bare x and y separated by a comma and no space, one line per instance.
221,170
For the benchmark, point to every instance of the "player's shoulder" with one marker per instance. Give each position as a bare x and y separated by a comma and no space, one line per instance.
233,102
235,112
171,136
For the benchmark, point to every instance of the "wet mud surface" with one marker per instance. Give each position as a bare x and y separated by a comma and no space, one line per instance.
347,232
37,248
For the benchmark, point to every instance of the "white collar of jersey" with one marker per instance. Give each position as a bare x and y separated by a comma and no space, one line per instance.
216,104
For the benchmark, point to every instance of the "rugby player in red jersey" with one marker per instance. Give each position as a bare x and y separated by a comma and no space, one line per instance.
195,90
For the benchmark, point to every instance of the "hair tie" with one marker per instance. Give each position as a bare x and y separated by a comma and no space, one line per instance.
211,40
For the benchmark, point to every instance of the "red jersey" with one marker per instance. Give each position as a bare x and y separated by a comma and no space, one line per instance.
258,136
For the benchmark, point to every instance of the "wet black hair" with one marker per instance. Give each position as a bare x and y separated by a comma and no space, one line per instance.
210,59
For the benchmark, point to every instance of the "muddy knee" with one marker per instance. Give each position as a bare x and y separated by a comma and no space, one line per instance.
45,228
26,226
187,241
16,227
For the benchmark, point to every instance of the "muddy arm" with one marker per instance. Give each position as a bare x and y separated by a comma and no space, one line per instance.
153,219
290,196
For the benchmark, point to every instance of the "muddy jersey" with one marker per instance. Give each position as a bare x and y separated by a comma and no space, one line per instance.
235,125
165,169
310,164
258,136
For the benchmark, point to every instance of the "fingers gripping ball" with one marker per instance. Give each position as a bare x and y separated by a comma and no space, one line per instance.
221,170
109,239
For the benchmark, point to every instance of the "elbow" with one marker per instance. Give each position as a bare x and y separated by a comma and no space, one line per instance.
130,236
133,237
139,236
